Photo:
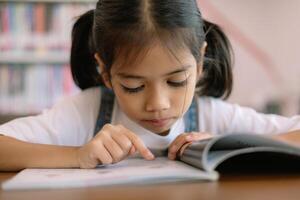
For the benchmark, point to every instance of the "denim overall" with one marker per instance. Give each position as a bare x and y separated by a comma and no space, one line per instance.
107,104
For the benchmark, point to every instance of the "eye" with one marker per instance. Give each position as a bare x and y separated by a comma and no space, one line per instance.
132,90
177,84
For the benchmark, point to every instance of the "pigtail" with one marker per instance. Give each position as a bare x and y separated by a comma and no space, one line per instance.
83,63
217,80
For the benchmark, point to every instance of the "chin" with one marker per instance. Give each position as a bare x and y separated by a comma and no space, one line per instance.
158,130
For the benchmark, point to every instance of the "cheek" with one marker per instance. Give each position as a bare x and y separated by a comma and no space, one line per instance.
130,104
192,86
184,98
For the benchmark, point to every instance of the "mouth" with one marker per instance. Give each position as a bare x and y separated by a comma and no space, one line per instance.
158,122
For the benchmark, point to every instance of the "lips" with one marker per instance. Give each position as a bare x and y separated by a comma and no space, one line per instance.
158,122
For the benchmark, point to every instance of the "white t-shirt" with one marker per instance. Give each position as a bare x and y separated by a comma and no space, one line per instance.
71,122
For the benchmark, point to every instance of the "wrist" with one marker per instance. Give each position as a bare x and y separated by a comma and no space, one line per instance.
75,157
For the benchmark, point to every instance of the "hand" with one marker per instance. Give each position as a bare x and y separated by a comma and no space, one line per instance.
292,137
184,140
111,145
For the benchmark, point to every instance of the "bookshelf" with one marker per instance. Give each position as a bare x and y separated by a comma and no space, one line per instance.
50,1
33,58
35,37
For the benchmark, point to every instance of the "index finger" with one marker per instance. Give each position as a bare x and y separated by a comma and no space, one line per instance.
139,145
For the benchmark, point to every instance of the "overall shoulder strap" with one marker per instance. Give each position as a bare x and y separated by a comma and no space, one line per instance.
106,108
191,117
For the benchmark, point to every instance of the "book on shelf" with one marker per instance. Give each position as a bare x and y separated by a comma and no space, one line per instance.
38,26
31,89
204,160
51,1
35,41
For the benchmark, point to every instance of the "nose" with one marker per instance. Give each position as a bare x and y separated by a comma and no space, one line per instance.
157,100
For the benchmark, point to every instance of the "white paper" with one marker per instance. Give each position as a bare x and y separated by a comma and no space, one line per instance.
130,171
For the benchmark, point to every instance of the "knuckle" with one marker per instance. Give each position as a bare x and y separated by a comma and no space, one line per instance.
122,154
139,141
178,137
194,133
107,126
103,137
95,144
119,156
107,161
127,145
186,138
106,134
183,135
120,126
136,139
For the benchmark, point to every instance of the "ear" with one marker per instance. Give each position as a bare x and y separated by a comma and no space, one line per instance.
200,64
104,74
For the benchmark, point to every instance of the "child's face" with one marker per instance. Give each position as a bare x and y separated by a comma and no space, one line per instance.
158,90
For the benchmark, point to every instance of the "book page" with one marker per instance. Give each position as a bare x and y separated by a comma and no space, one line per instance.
208,154
231,145
130,171
194,154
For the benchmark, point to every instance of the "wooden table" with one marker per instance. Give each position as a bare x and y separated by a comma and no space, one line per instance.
231,187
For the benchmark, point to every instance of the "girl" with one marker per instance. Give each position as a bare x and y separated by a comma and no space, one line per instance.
152,73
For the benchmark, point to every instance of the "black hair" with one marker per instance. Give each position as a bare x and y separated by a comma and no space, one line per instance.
118,29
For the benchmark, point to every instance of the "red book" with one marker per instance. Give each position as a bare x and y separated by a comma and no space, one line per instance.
39,18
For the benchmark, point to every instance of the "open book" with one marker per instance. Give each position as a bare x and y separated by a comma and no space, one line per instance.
201,160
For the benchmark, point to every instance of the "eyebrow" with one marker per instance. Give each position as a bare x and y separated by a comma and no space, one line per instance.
179,70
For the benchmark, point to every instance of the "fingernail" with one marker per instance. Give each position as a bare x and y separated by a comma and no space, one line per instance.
150,155
189,137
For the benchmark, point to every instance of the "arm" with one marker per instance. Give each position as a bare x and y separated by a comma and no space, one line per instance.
111,145
51,138
290,137
224,117
16,155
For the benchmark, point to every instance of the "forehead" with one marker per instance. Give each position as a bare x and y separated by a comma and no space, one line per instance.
156,61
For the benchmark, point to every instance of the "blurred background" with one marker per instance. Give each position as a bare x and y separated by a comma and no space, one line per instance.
35,43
